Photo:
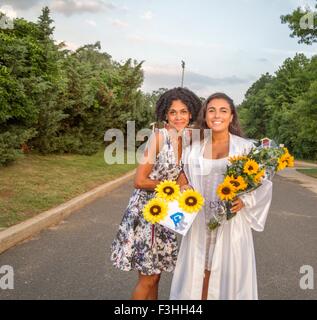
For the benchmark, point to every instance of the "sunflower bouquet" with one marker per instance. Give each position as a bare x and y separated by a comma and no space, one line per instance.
245,174
172,208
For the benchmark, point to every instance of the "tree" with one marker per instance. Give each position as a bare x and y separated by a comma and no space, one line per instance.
44,22
253,110
56,100
291,80
17,111
283,106
85,101
304,114
50,87
303,24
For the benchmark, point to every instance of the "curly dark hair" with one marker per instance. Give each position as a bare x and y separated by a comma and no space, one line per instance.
188,97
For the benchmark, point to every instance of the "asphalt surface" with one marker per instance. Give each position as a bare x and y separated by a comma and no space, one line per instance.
71,260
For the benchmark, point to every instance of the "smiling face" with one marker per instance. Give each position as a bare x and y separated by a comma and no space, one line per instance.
218,115
178,115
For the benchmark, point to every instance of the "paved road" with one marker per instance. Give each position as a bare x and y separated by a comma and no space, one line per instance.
70,261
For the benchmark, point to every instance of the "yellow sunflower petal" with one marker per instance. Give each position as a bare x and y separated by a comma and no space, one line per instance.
168,190
237,158
258,177
281,164
286,160
285,150
290,162
251,167
239,183
191,201
226,191
155,210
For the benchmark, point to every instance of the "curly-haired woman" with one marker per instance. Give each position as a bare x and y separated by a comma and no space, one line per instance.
139,245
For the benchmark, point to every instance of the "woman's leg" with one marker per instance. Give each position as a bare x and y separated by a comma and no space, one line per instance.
205,285
146,288
154,292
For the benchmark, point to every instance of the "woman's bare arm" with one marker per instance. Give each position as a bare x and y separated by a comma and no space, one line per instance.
142,180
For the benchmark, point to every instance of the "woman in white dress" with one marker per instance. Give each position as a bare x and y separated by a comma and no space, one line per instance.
219,264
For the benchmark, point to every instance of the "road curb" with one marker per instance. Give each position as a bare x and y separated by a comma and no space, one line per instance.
304,180
26,229
301,163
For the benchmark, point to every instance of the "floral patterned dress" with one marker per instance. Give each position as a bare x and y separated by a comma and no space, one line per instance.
139,245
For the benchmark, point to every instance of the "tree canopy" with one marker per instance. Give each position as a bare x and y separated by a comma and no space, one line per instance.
303,24
56,100
283,106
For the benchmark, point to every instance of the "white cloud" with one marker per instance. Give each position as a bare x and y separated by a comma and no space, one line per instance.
69,7
124,8
287,53
119,23
181,43
305,4
68,45
148,15
21,4
8,11
169,76
136,38
262,60
91,23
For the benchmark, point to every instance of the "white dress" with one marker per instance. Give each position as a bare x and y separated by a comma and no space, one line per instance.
216,169
233,268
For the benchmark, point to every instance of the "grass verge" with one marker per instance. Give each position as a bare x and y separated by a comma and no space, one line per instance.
309,172
37,183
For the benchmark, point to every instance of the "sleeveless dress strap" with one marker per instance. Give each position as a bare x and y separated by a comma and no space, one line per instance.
166,137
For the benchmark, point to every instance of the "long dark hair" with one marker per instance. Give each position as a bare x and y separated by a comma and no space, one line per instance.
234,126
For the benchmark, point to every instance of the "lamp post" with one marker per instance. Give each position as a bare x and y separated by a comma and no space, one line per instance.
183,69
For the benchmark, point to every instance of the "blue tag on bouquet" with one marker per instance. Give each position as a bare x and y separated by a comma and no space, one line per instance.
177,218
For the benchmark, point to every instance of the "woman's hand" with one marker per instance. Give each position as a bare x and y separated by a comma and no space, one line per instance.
185,187
237,205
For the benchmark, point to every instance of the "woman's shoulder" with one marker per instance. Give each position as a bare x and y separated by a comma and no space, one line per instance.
242,140
159,135
156,141
241,145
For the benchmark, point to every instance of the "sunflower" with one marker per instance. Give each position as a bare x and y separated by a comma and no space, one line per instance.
191,201
226,191
250,167
168,190
286,160
281,165
237,158
258,177
155,210
238,182
290,161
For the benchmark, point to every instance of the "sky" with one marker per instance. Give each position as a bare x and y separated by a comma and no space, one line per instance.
226,44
